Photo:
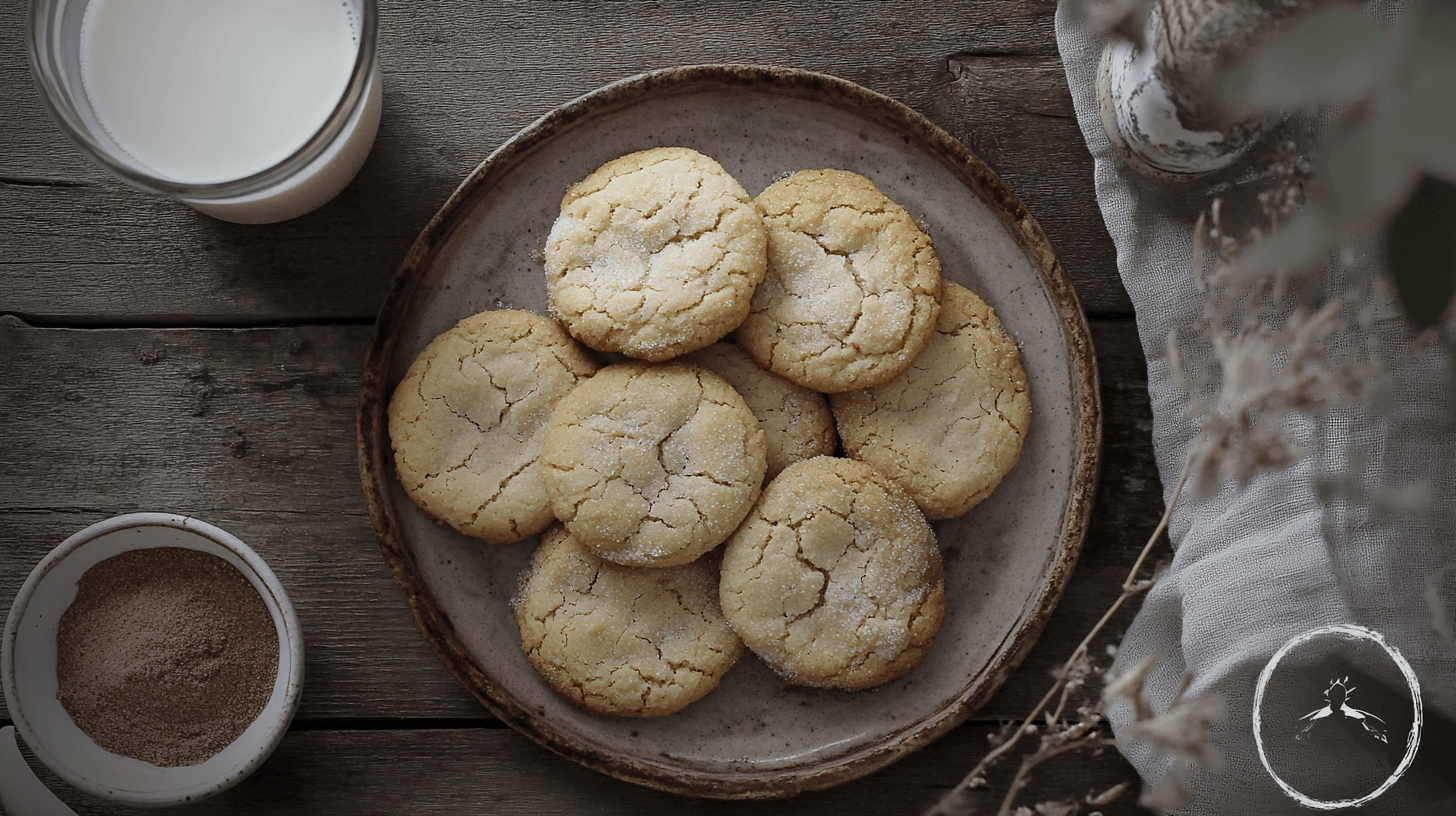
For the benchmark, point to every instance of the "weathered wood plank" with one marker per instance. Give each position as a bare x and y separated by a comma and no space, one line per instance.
496,771
253,430
79,247
1016,114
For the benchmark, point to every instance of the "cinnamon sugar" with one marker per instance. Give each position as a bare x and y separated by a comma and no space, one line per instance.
166,655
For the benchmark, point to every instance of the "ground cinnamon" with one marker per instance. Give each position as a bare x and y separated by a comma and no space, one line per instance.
166,655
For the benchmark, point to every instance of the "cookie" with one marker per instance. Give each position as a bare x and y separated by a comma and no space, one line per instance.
652,465
467,420
797,423
834,580
623,641
851,293
654,254
950,428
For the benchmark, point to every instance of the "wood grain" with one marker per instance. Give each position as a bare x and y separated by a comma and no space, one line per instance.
155,359
496,771
78,247
252,430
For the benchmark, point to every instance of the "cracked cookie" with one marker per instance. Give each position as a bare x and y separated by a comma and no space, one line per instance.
652,465
851,293
834,579
950,428
654,254
623,641
797,423
467,420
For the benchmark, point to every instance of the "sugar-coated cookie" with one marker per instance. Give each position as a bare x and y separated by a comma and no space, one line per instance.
654,254
623,641
851,293
797,423
834,580
652,464
951,427
467,420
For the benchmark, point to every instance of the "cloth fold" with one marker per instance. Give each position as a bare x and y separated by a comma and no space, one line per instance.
1257,565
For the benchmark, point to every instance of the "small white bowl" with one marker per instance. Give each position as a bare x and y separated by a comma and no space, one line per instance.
28,666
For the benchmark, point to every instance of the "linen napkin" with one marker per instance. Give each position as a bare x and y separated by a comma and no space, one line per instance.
1309,547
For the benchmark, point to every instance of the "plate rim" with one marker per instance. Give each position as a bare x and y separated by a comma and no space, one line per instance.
437,629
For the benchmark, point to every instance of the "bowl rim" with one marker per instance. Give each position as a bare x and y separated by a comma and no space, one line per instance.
665,772
275,599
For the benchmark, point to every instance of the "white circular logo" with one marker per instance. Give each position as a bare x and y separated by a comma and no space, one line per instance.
1327,659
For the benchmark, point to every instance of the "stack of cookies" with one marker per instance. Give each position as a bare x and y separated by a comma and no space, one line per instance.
700,495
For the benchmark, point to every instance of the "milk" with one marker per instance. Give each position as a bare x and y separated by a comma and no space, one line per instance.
208,91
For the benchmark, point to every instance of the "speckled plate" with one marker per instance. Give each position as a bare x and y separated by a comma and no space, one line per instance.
1006,561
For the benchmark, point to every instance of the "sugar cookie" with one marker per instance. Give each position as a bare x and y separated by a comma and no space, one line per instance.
797,423
467,420
950,428
851,293
654,254
652,464
834,580
623,641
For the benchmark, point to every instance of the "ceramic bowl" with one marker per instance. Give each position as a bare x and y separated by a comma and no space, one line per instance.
1006,561
28,666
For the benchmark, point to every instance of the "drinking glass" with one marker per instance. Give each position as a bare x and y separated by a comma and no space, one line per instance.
307,178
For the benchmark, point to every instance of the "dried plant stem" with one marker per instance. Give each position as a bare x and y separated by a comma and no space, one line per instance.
954,802
1042,755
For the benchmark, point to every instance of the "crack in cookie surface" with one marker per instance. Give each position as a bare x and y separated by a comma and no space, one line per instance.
653,465
467,420
951,427
832,578
654,254
851,293
623,641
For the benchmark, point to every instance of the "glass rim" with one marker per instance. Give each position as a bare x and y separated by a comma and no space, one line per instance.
67,119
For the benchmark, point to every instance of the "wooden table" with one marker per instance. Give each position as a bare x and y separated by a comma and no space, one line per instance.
152,358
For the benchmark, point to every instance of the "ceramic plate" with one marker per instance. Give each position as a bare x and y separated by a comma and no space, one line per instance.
1006,561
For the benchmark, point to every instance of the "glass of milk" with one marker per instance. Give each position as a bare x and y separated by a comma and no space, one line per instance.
251,111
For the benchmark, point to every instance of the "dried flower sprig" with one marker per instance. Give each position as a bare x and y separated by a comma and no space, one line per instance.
1242,433
1441,622
1440,619
1086,731
1267,359
1181,731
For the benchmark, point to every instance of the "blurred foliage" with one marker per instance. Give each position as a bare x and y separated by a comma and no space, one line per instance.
1392,158
1422,241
